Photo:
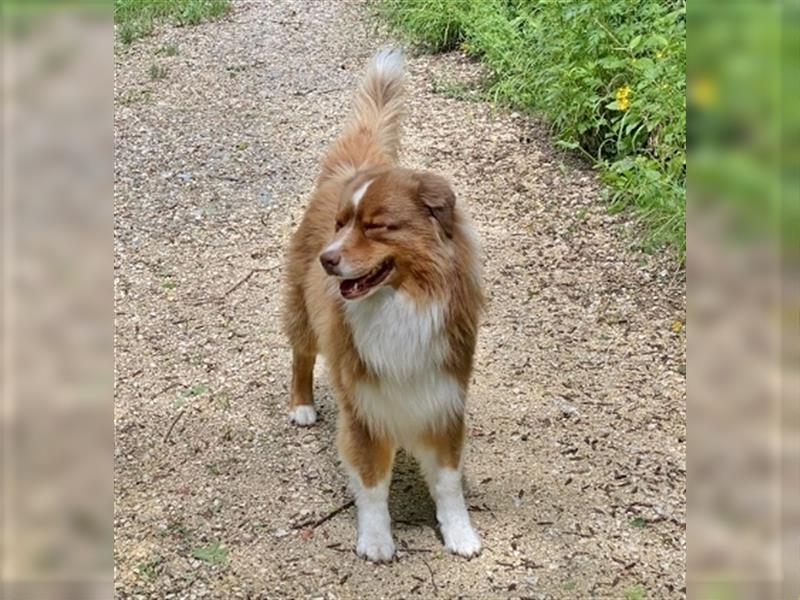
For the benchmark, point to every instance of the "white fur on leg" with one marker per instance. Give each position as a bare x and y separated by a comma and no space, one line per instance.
303,415
451,510
374,524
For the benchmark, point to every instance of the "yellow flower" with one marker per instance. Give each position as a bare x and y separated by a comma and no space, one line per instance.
703,91
623,98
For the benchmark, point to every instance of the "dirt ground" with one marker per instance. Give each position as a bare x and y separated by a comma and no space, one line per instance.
576,465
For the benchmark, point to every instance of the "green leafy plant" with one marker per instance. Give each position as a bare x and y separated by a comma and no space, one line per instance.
610,77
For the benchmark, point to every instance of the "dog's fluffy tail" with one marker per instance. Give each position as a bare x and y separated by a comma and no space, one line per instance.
371,135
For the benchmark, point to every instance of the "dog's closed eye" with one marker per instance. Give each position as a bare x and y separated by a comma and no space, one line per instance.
377,227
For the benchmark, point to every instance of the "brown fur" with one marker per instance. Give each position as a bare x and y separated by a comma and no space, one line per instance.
446,443
370,455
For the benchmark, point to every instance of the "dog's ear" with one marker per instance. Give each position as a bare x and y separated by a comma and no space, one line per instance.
438,198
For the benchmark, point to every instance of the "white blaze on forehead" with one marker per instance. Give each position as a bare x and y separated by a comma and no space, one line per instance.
339,242
337,245
359,193
344,268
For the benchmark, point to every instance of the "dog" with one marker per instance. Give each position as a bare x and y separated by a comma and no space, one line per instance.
384,281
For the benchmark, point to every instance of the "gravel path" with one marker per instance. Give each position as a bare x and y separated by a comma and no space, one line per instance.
576,467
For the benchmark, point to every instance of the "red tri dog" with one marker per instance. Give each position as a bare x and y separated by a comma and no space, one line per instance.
384,281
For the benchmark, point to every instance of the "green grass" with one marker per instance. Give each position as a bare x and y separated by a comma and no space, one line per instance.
639,523
196,390
610,77
131,97
214,554
167,50
636,592
150,569
136,19
158,72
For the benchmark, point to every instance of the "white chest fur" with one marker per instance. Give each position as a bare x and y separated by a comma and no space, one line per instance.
405,346
395,337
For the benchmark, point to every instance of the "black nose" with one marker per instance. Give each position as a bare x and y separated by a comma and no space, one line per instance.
330,259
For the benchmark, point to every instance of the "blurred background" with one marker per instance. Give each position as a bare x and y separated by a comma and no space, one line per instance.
743,226
56,514
56,419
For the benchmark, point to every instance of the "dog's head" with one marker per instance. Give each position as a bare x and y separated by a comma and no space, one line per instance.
393,227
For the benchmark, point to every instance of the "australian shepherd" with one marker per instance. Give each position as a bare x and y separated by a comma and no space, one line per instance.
384,281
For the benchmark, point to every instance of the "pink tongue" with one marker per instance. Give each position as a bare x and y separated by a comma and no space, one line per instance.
350,289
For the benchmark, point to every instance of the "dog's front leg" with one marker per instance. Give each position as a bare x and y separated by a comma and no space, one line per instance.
368,459
440,456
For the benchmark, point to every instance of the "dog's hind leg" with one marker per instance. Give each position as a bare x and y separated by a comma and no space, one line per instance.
304,354
301,408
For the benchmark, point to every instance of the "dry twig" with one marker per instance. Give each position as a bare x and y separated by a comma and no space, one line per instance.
433,581
172,425
316,523
165,390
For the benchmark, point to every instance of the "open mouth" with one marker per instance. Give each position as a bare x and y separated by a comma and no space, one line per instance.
356,288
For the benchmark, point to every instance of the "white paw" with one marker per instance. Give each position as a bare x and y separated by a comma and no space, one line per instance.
376,546
303,415
460,538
